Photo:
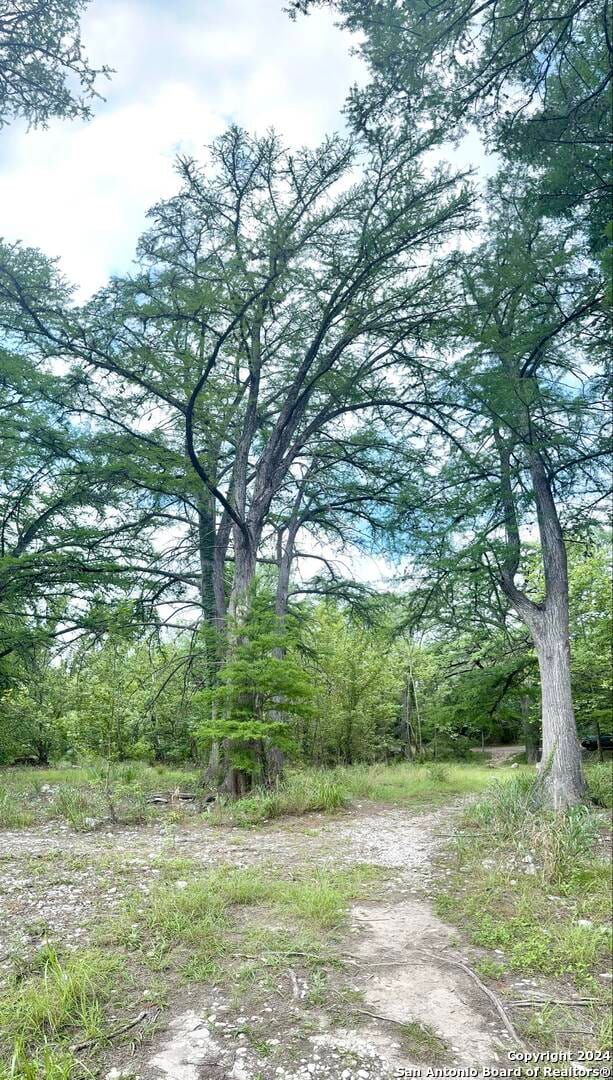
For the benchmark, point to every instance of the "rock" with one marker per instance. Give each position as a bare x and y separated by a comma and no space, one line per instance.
180,884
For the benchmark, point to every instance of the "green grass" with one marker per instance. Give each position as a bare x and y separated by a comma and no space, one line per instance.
13,813
600,783
534,886
327,791
43,1064
407,783
302,792
89,796
421,1041
51,1002
196,924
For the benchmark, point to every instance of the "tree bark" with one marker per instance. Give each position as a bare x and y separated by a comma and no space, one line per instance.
530,740
561,782
560,769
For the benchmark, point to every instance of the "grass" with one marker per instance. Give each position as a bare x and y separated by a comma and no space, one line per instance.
302,792
535,887
208,928
52,1001
327,791
422,1041
407,783
600,783
86,797
201,914
13,814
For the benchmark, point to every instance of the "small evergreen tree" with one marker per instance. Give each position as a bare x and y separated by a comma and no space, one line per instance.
261,684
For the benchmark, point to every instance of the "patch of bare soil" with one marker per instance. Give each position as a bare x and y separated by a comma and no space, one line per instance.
398,1000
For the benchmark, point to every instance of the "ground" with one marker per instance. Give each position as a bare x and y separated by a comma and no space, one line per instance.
333,964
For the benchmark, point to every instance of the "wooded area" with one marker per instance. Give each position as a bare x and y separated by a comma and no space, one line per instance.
350,348
305,546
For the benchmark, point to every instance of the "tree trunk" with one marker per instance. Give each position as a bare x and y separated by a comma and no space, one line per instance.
560,769
561,779
530,738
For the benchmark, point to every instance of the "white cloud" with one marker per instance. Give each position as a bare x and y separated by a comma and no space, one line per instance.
184,71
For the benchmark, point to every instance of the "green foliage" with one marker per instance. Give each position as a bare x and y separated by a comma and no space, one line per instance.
85,798
56,998
600,783
259,687
535,80
358,678
533,884
42,62
299,793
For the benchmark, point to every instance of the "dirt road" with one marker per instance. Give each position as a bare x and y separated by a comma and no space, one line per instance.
398,999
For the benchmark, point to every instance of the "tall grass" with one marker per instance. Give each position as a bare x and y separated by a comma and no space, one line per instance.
58,995
85,797
533,885
407,783
300,793
329,790
600,783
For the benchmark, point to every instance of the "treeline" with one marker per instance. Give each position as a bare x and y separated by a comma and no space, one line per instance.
322,350
354,685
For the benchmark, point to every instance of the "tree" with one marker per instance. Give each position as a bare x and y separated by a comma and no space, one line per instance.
535,78
358,674
260,687
61,514
532,428
42,61
269,299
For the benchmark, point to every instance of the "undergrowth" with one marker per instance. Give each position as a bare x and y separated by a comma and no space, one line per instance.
50,1002
534,886
329,790
88,797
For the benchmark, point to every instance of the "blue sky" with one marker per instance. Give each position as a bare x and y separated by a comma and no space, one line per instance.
184,70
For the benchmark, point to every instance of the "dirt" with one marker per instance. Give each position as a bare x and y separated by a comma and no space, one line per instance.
395,951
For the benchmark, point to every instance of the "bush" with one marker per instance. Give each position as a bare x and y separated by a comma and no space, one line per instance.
300,793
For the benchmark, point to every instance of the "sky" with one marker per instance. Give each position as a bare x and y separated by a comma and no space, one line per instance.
184,71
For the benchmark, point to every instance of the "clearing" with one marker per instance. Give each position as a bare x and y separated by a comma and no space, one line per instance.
304,946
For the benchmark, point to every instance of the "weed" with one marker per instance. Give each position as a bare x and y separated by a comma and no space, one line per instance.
541,872
13,813
409,783
600,783
422,1041
58,996
300,793
490,969
44,1064
438,772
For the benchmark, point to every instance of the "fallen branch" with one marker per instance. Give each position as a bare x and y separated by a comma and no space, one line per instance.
374,1015
581,1003
488,993
167,797
118,1031
292,952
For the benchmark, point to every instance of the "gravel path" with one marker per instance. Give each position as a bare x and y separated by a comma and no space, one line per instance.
57,880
